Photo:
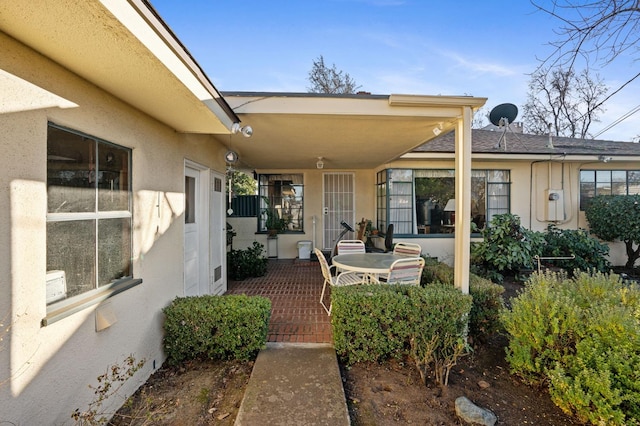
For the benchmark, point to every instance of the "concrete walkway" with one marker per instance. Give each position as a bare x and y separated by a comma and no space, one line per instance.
294,384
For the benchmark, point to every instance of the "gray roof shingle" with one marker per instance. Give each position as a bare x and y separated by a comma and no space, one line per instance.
486,141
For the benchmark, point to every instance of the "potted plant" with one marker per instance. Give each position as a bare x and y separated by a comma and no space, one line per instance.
274,223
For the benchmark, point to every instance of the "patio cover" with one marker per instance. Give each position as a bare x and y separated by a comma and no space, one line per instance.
362,131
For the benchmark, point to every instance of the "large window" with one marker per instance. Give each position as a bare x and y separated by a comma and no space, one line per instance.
607,182
88,214
422,201
281,202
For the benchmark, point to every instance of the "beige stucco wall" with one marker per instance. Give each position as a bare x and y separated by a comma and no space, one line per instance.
313,193
530,182
45,371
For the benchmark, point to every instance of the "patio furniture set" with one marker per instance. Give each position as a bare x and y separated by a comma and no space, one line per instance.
353,265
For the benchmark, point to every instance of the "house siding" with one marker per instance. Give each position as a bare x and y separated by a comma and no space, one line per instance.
530,179
45,371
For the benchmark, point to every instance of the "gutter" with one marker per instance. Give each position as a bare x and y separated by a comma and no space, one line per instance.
151,16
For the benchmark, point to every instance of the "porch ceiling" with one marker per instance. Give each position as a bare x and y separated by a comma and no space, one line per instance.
290,131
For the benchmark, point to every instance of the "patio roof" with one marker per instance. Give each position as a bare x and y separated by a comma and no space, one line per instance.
362,131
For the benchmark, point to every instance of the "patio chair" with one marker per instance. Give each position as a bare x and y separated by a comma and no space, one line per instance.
350,246
342,279
407,249
406,271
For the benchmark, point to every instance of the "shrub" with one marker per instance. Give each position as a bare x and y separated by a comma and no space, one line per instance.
370,322
215,327
582,337
507,247
617,217
250,262
376,322
484,318
590,254
438,340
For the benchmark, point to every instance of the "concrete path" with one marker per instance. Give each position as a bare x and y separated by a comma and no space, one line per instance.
294,384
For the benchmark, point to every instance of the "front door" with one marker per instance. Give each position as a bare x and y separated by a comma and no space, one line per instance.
338,204
196,230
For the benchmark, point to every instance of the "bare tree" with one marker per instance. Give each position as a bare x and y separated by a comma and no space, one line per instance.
329,80
561,101
480,118
598,31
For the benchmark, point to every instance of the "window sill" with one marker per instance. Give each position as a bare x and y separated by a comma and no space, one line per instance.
66,308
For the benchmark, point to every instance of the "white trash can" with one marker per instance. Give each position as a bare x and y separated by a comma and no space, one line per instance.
304,249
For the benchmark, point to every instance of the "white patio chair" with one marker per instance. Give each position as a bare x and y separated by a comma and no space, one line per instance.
406,271
342,279
407,249
350,246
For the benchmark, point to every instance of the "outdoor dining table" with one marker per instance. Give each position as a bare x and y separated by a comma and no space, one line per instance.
367,263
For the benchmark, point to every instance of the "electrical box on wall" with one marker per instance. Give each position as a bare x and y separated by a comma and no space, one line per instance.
555,205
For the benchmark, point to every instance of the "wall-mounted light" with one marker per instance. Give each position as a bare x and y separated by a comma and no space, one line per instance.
604,158
246,131
320,163
438,129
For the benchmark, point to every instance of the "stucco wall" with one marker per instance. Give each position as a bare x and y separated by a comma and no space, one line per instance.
45,371
530,181
313,193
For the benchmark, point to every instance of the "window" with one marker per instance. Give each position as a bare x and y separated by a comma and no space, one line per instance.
415,201
607,182
281,202
88,214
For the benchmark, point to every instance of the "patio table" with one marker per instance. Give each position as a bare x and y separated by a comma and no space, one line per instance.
372,264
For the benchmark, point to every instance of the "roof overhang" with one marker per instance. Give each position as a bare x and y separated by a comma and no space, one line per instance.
291,130
124,48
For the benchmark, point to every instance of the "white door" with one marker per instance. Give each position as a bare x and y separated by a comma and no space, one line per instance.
218,237
338,204
196,230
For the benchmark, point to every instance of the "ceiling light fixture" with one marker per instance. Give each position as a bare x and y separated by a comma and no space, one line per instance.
320,163
246,131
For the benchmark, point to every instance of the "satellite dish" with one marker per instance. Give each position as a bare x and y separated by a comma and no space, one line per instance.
503,115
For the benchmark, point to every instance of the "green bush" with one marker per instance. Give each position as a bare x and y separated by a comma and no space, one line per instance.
215,327
590,254
507,246
370,322
581,336
484,318
438,338
250,262
376,322
617,217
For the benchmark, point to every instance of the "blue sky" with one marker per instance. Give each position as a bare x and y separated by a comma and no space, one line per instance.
464,47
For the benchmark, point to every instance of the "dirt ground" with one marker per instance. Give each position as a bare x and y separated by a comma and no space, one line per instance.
210,393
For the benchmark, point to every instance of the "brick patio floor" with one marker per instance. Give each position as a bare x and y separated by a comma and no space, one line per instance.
294,287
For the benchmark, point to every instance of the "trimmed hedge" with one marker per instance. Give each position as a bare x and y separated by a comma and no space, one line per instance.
377,322
581,336
484,318
215,327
